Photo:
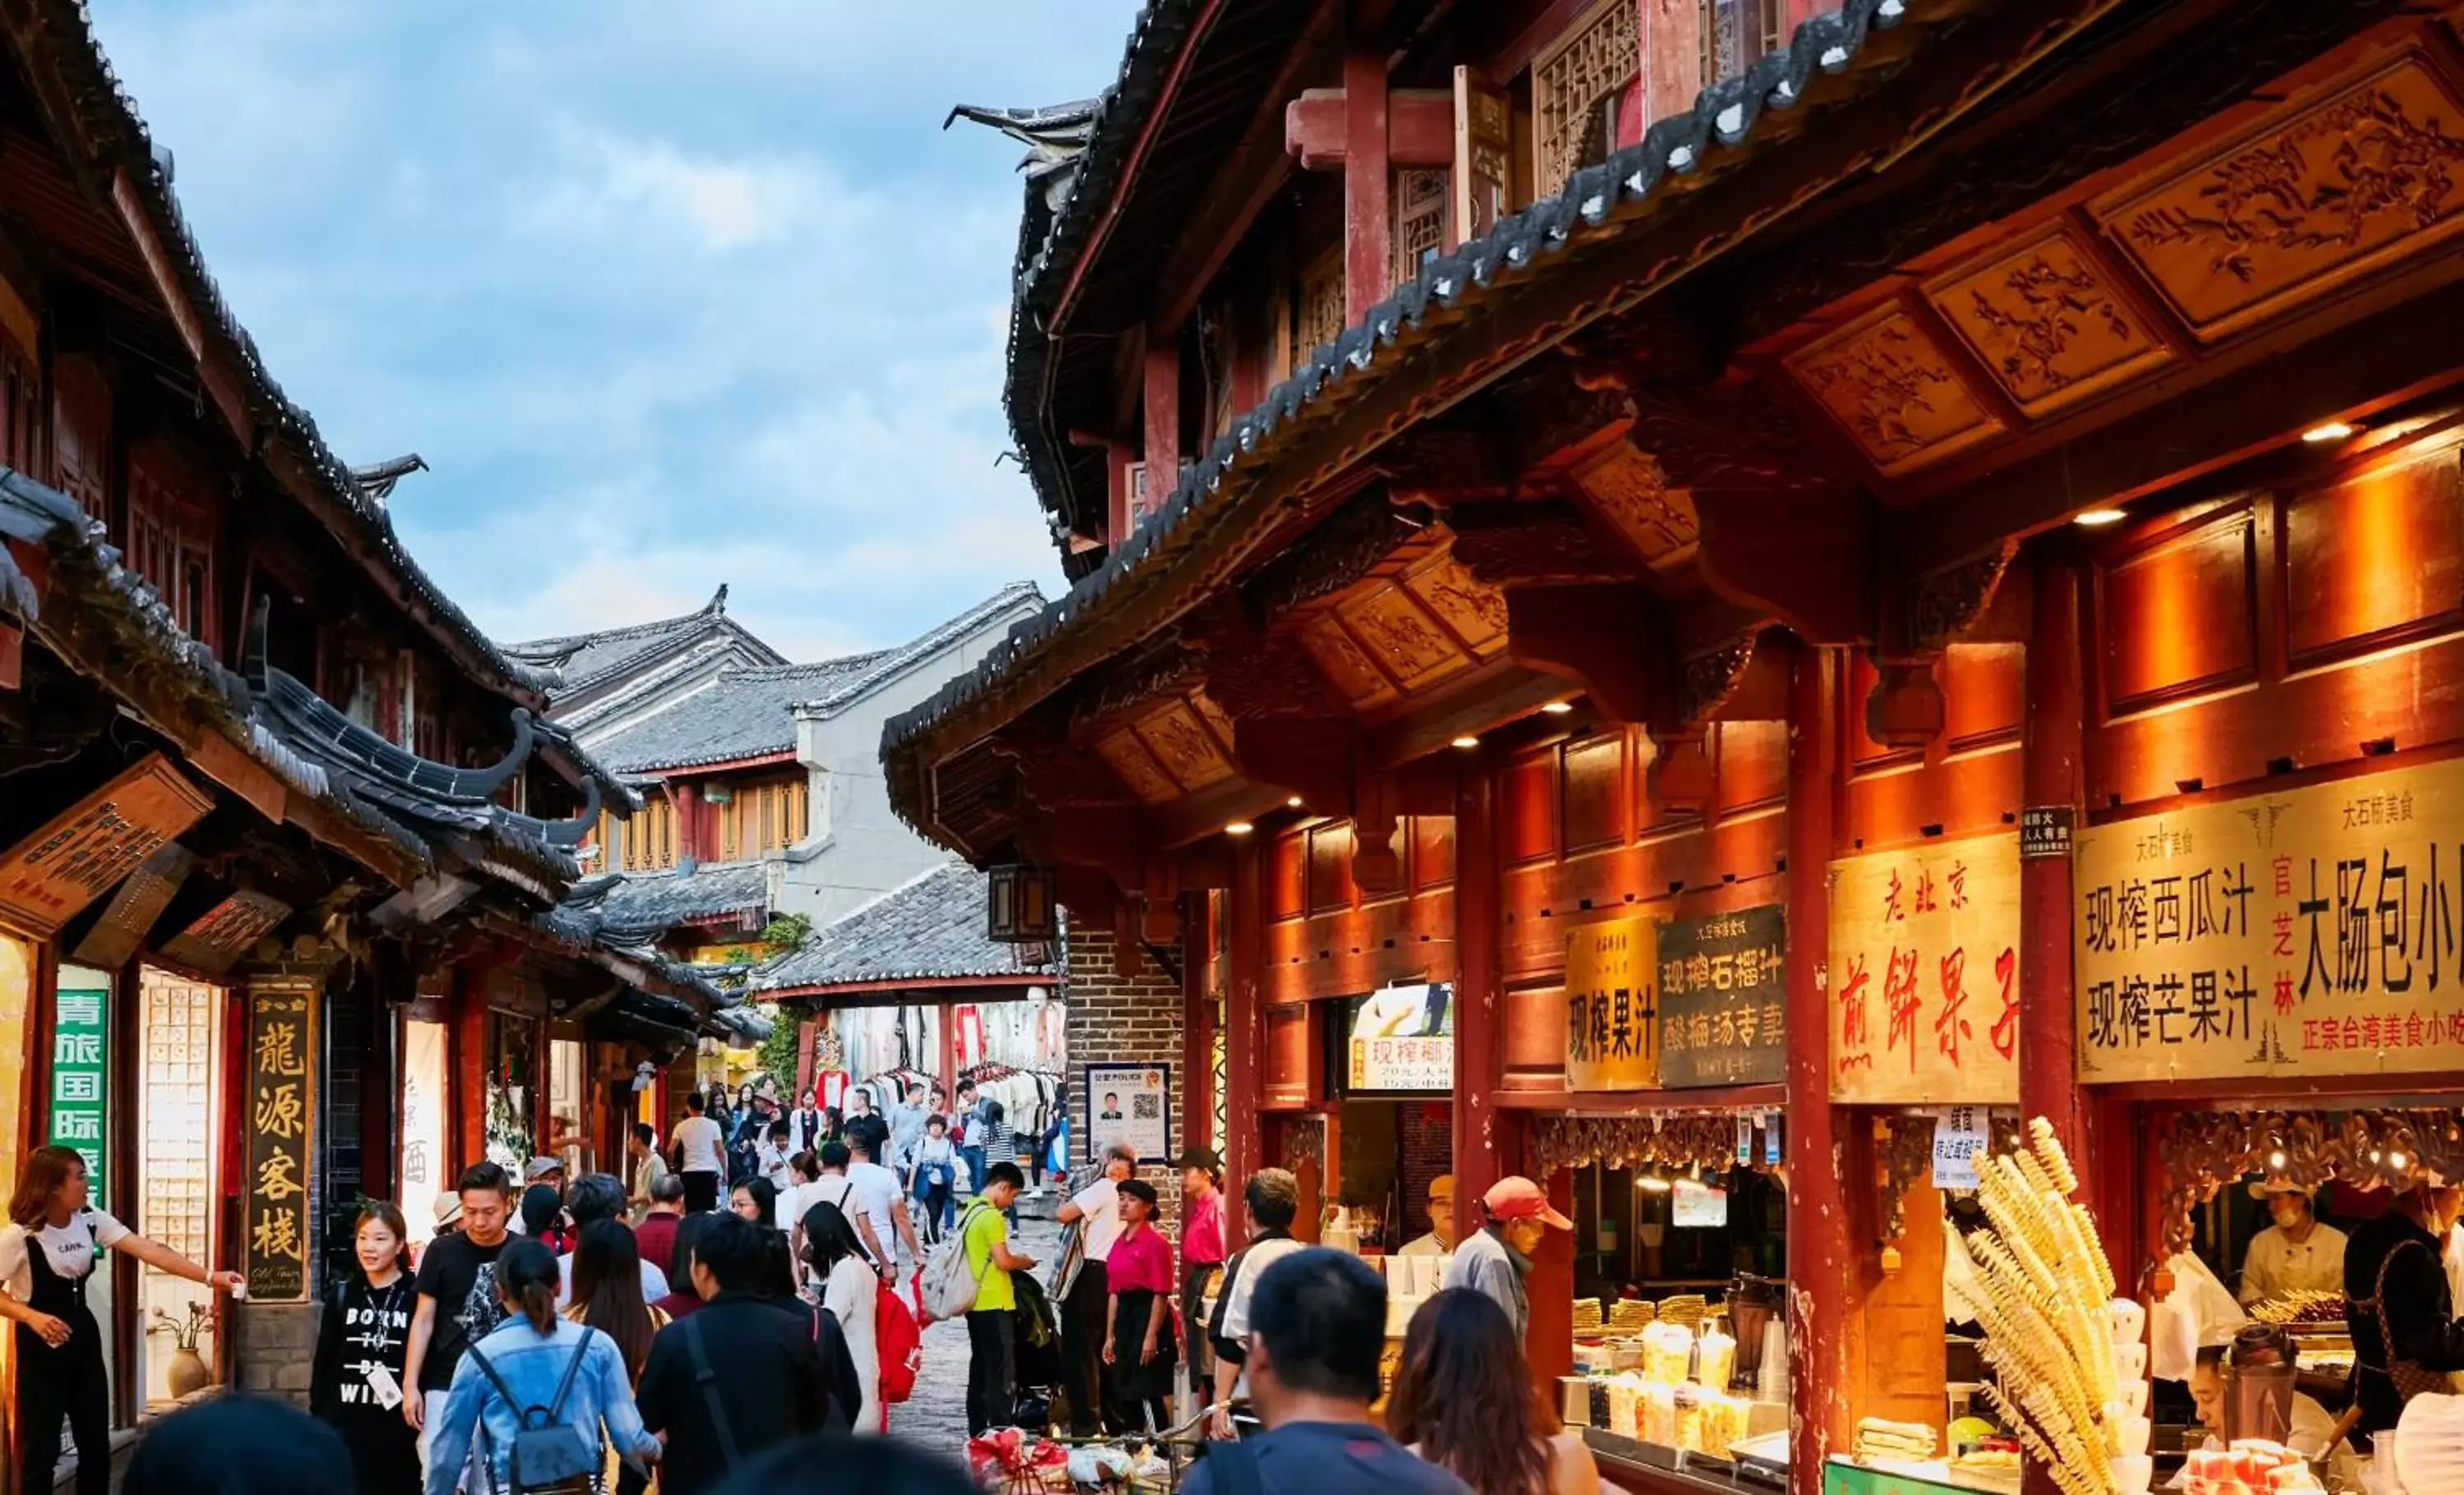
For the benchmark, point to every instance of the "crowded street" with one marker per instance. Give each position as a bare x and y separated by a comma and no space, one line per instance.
1232,747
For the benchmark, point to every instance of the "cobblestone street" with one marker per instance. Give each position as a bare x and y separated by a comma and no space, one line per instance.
936,1417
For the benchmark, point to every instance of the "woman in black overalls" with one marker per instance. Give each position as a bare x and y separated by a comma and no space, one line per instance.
47,1254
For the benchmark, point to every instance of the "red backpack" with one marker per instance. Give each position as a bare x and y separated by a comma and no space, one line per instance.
900,1339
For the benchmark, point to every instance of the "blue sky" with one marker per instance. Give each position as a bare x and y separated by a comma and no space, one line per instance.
668,296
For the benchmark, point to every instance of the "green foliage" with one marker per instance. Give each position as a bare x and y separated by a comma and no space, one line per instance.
777,1055
785,931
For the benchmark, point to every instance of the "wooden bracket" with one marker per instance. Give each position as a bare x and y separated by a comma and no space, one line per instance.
1807,559
1312,756
1420,128
1606,638
1377,868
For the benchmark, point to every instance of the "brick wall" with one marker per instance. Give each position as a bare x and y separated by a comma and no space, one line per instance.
1119,1020
273,1347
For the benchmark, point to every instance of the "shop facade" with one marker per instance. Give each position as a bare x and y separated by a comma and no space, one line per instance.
1827,642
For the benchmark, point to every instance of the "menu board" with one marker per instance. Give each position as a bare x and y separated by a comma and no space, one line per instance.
1723,1001
281,1103
1403,1039
81,1081
1612,1006
2310,930
1925,974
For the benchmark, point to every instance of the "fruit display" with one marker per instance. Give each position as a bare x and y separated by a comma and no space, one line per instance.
2251,1467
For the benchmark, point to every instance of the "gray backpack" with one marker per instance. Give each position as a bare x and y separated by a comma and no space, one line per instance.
549,1456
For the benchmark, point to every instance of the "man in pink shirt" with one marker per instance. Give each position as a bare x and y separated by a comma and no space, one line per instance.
1138,1340
1202,1258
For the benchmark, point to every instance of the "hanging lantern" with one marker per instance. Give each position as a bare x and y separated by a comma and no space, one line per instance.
1022,904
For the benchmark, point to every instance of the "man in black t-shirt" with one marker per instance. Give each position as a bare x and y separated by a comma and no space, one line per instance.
459,1303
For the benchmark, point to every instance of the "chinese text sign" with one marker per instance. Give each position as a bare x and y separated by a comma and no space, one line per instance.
281,1105
1723,1001
1402,1039
2312,929
1924,975
1612,1006
1133,1103
81,1081
85,851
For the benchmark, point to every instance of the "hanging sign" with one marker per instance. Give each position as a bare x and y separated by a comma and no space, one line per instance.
1721,1000
1612,1006
1925,974
2311,930
2045,832
84,851
1959,1140
422,1161
281,1105
1129,1103
81,1079
1403,1039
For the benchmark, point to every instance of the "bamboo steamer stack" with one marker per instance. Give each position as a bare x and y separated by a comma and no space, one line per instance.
2070,1357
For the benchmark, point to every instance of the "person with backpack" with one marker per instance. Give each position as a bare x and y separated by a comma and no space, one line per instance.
542,1398
744,1374
850,1292
971,1275
836,1187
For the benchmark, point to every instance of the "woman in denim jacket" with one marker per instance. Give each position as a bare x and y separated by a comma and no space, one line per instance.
530,1353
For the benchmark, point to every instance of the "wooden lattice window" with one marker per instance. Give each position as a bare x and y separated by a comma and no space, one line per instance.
1422,203
1736,35
170,545
1321,305
650,840
1576,85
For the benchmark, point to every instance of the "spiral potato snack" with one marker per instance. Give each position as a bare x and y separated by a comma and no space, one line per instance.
2045,1286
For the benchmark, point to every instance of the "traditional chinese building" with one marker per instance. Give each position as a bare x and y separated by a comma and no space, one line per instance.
1764,577
283,834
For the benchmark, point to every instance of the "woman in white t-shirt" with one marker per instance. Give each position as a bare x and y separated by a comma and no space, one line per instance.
47,1250
851,1292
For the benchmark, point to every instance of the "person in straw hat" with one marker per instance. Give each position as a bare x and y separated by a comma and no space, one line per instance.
2295,1253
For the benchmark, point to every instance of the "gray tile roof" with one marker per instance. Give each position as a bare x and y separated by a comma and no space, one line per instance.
750,712
933,928
583,660
1609,200
642,906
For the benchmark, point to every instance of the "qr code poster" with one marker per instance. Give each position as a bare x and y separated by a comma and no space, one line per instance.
1129,1103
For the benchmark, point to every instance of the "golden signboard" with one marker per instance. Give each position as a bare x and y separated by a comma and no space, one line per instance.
2310,931
1924,975
279,1232
84,851
1612,1006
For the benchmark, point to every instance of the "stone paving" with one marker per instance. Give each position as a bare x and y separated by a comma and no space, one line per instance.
936,1417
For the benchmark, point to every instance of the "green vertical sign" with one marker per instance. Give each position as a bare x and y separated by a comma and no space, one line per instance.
80,1080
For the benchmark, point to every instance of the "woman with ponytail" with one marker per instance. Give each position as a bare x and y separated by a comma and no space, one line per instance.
522,1366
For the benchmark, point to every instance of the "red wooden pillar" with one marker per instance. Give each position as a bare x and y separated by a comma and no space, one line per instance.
1198,1021
1368,213
470,1035
2048,1034
807,1032
1820,1247
1478,893
1244,1033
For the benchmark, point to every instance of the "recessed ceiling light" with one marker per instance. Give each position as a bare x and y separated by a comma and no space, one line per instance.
1239,827
1466,742
2332,430
1294,803
2097,519
1558,707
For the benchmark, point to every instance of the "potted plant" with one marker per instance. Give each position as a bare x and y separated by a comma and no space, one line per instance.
188,1373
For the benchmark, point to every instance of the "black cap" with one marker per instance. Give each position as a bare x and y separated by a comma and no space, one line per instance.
1141,1189
1202,1157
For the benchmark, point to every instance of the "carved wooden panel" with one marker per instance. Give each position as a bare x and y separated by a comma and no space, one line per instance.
1527,808
2048,323
2180,616
1287,874
1127,756
1320,311
1595,783
1472,611
1330,867
1628,488
1401,635
1184,746
1346,665
2336,183
1575,84
2376,560
1895,392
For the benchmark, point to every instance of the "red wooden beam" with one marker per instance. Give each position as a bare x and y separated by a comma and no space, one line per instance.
2051,770
1420,128
1245,1035
1479,911
1820,1250
1197,1022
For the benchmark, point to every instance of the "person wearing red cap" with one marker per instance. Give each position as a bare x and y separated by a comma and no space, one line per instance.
1495,1262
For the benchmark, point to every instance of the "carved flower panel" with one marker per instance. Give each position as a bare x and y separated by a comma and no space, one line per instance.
1217,720
1894,390
1626,486
1407,643
1129,758
1471,610
2046,319
1346,665
1184,746
2367,173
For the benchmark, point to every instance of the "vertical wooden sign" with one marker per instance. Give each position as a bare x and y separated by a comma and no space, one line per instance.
1612,1006
281,1130
1483,152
